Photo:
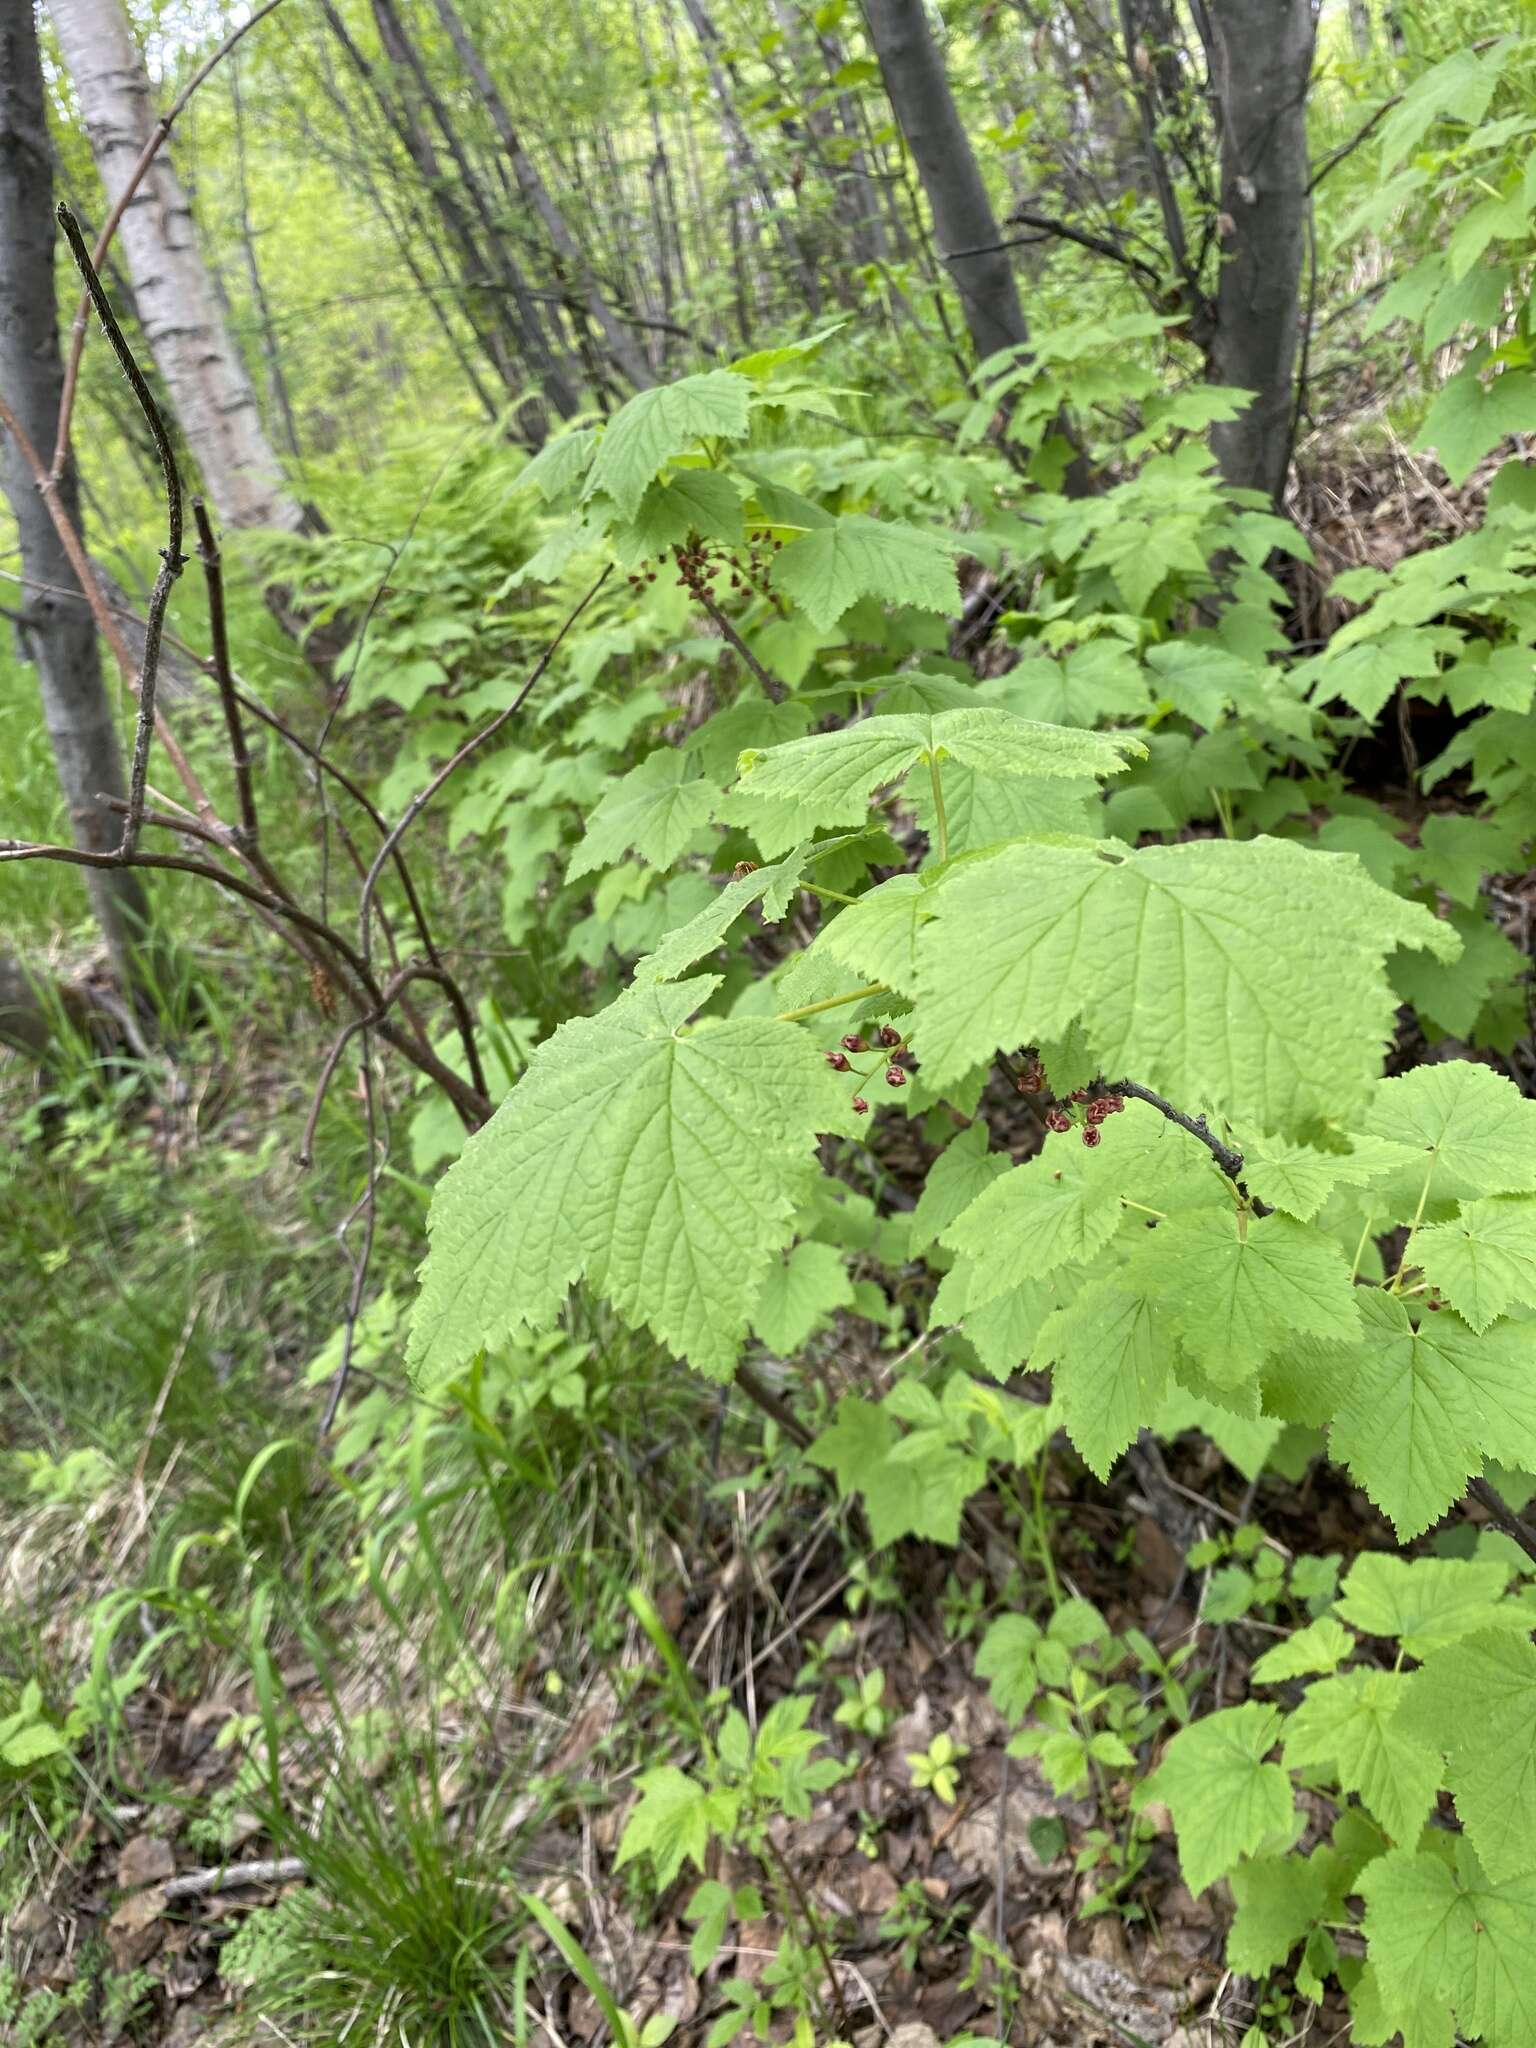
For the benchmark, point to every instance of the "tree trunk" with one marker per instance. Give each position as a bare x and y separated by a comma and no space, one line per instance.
207,382
271,355
55,627
570,264
739,143
497,341
1262,65
544,354
918,88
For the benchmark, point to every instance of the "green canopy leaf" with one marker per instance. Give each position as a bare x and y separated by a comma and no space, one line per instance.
1471,1125
1110,1357
1352,1723
1426,1602
1239,1287
830,777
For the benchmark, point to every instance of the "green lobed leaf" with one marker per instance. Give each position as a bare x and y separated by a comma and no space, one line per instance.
1476,1703
1485,1261
1470,416
662,1164
1278,1900
691,501
653,811
772,886
1225,1800
1321,1646
1426,1603
1029,1222
984,809
828,778
831,567
1444,1936
1421,1407
1110,1358
559,463
655,425
1240,1287
1006,1659
671,1822
1238,975
877,936
798,1294
1299,1179
919,1489
962,1171
1352,1722
859,1437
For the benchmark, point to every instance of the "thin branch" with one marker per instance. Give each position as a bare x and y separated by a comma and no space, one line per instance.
218,836
1048,224
418,803
360,1265
394,989
228,1877
305,1156
171,557
275,900
146,157
1503,1516
758,1391
1337,156
218,634
771,684
1230,1162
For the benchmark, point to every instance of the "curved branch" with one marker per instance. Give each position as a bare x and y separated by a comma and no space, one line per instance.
171,557
1230,1162
418,803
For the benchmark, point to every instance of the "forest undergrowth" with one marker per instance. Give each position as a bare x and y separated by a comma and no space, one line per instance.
768,1249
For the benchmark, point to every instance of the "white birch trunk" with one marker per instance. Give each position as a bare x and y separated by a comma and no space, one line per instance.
212,395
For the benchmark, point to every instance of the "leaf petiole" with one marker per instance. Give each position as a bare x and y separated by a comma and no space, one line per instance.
853,995
940,819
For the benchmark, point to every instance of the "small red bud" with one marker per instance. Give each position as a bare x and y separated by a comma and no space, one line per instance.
1116,1104
1058,1120
859,1106
1092,1135
895,1078
889,1035
1432,1304
838,1060
852,1042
